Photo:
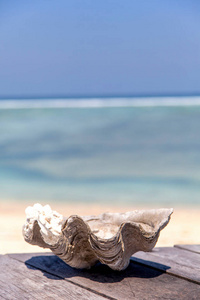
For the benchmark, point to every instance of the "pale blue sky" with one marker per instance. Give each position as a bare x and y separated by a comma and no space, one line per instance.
86,47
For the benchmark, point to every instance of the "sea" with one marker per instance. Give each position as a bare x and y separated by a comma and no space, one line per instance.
123,151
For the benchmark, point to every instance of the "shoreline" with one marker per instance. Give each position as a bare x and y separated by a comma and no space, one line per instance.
183,227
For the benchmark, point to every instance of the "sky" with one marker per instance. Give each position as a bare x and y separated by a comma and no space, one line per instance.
80,48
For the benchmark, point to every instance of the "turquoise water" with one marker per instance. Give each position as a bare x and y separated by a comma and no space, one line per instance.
125,155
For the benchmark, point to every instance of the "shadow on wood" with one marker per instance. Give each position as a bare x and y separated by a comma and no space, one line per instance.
100,273
141,280
165,273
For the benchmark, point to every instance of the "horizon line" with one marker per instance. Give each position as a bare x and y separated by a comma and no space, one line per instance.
100,102
99,96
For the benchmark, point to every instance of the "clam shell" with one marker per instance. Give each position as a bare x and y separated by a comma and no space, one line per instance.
110,238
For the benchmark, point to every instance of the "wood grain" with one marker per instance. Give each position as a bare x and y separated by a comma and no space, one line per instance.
192,248
19,282
136,282
175,261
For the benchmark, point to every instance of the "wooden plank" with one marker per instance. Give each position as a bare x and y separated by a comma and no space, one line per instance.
19,282
175,261
192,248
136,282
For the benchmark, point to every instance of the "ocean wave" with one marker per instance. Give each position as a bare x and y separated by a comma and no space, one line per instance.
99,102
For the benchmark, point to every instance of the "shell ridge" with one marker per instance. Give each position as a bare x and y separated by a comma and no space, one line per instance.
82,241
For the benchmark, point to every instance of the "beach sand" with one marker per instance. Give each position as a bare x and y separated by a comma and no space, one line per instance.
184,226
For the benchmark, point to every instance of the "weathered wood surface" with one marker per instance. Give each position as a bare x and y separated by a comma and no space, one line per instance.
138,281
175,261
19,282
192,248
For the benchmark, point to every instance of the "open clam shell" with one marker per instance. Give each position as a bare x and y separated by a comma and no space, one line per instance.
110,238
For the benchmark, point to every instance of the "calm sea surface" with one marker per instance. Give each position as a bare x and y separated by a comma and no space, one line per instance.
95,153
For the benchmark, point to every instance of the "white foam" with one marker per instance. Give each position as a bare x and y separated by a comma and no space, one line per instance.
99,102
